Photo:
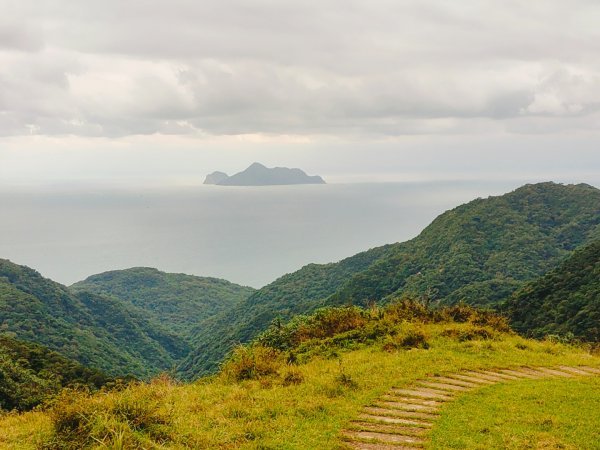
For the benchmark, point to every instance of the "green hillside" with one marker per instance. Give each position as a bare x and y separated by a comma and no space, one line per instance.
564,301
30,374
95,330
480,253
175,300
303,291
303,385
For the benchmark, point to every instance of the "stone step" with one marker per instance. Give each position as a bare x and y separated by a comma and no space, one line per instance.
443,386
406,406
533,371
384,437
369,426
519,373
423,393
504,376
576,370
554,372
411,400
471,379
395,420
448,380
492,378
370,446
595,370
398,413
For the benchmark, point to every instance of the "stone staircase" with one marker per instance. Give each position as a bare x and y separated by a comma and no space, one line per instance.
402,418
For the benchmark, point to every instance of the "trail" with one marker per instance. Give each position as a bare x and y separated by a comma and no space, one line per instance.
401,418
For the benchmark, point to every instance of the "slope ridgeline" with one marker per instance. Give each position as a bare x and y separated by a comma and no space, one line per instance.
479,253
176,300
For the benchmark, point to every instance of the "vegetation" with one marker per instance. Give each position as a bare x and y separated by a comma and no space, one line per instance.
551,413
176,300
479,253
30,374
95,330
300,292
295,387
565,302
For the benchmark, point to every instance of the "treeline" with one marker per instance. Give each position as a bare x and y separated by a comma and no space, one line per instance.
31,374
565,302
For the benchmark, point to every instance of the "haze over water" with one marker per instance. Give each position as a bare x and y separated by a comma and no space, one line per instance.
248,235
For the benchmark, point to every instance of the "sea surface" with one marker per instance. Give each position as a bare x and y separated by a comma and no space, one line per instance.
248,235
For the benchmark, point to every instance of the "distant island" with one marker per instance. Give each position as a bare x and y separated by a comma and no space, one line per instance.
259,175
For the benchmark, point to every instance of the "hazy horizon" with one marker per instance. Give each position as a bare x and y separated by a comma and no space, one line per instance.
247,235
108,102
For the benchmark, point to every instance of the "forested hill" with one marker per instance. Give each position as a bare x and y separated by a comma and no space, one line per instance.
176,300
296,293
30,374
564,301
95,330
480,252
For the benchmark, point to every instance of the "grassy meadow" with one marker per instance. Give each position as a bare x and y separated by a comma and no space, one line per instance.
552,413
300,398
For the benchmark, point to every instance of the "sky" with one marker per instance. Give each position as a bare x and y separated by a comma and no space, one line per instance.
163,92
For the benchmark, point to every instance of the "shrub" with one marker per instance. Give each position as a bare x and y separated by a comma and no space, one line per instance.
292,376
136,418
406,338
469,333
251,362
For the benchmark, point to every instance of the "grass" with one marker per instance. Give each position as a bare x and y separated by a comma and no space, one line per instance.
532,414
303,406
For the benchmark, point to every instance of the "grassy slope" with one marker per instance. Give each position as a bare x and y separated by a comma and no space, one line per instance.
267,414
94,330
558,413
566,300
479,252
176,300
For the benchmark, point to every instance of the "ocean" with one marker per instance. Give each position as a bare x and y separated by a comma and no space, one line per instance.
248,235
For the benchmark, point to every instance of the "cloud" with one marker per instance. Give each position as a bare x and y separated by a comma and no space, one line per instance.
336,68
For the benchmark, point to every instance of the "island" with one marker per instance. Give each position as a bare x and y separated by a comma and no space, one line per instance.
259,175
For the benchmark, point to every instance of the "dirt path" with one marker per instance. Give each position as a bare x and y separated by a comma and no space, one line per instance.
402,418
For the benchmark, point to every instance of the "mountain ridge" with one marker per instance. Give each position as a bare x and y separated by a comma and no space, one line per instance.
479,252
176,300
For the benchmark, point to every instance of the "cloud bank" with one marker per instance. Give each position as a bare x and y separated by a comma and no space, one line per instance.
334,67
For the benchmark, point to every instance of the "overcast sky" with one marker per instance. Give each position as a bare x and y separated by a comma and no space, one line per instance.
165,91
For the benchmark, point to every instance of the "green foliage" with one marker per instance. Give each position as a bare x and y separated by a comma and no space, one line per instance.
563,304
396,326
30,374
479,253
301,292
95,330
251,363
139,417
176,300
